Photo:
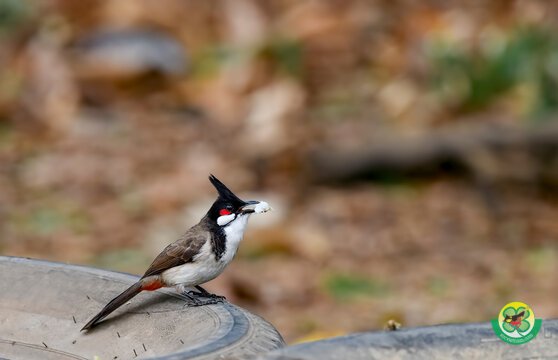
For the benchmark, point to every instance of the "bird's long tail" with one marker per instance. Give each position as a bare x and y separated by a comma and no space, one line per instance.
122,299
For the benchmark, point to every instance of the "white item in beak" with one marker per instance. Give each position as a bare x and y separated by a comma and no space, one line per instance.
262,207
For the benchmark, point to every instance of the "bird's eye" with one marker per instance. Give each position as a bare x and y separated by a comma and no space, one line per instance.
223,212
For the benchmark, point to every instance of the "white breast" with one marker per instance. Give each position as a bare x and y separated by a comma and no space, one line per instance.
205,266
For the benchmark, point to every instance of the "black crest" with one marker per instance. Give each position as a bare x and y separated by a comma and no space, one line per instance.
226,200
225,193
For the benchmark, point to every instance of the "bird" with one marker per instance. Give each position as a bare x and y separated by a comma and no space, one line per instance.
515,320
198,256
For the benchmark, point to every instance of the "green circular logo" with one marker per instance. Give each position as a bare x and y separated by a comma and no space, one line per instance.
516,323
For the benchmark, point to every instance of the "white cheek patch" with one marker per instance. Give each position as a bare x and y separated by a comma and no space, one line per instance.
262,207
225,219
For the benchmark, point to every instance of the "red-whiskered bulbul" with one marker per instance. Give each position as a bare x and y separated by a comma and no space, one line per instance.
200,255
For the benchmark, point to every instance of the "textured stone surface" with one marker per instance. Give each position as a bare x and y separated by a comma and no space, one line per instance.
463,341
43,306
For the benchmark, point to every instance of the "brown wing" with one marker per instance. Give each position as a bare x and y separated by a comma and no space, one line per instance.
179,252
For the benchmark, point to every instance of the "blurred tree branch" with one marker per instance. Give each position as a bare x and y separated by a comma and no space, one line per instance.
490,152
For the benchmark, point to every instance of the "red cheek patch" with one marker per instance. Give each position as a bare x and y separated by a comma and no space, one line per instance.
224,212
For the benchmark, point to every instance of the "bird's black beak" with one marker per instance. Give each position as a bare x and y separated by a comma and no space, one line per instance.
256,207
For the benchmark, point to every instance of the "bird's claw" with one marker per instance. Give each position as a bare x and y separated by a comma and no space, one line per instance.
194,302
206,295
209,299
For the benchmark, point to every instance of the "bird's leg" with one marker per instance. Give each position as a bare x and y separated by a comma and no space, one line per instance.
196,301
204,293
192,301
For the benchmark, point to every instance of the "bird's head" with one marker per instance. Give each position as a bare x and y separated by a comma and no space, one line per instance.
228,207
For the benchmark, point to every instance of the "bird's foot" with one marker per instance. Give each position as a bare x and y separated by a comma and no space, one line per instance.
196,301
204,293
207,295
194,297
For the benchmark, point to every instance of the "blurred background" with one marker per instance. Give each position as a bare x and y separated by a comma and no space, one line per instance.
409,149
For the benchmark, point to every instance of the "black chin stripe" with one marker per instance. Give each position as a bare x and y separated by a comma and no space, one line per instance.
218,242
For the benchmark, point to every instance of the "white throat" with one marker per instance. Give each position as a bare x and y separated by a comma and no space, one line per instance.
234,232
